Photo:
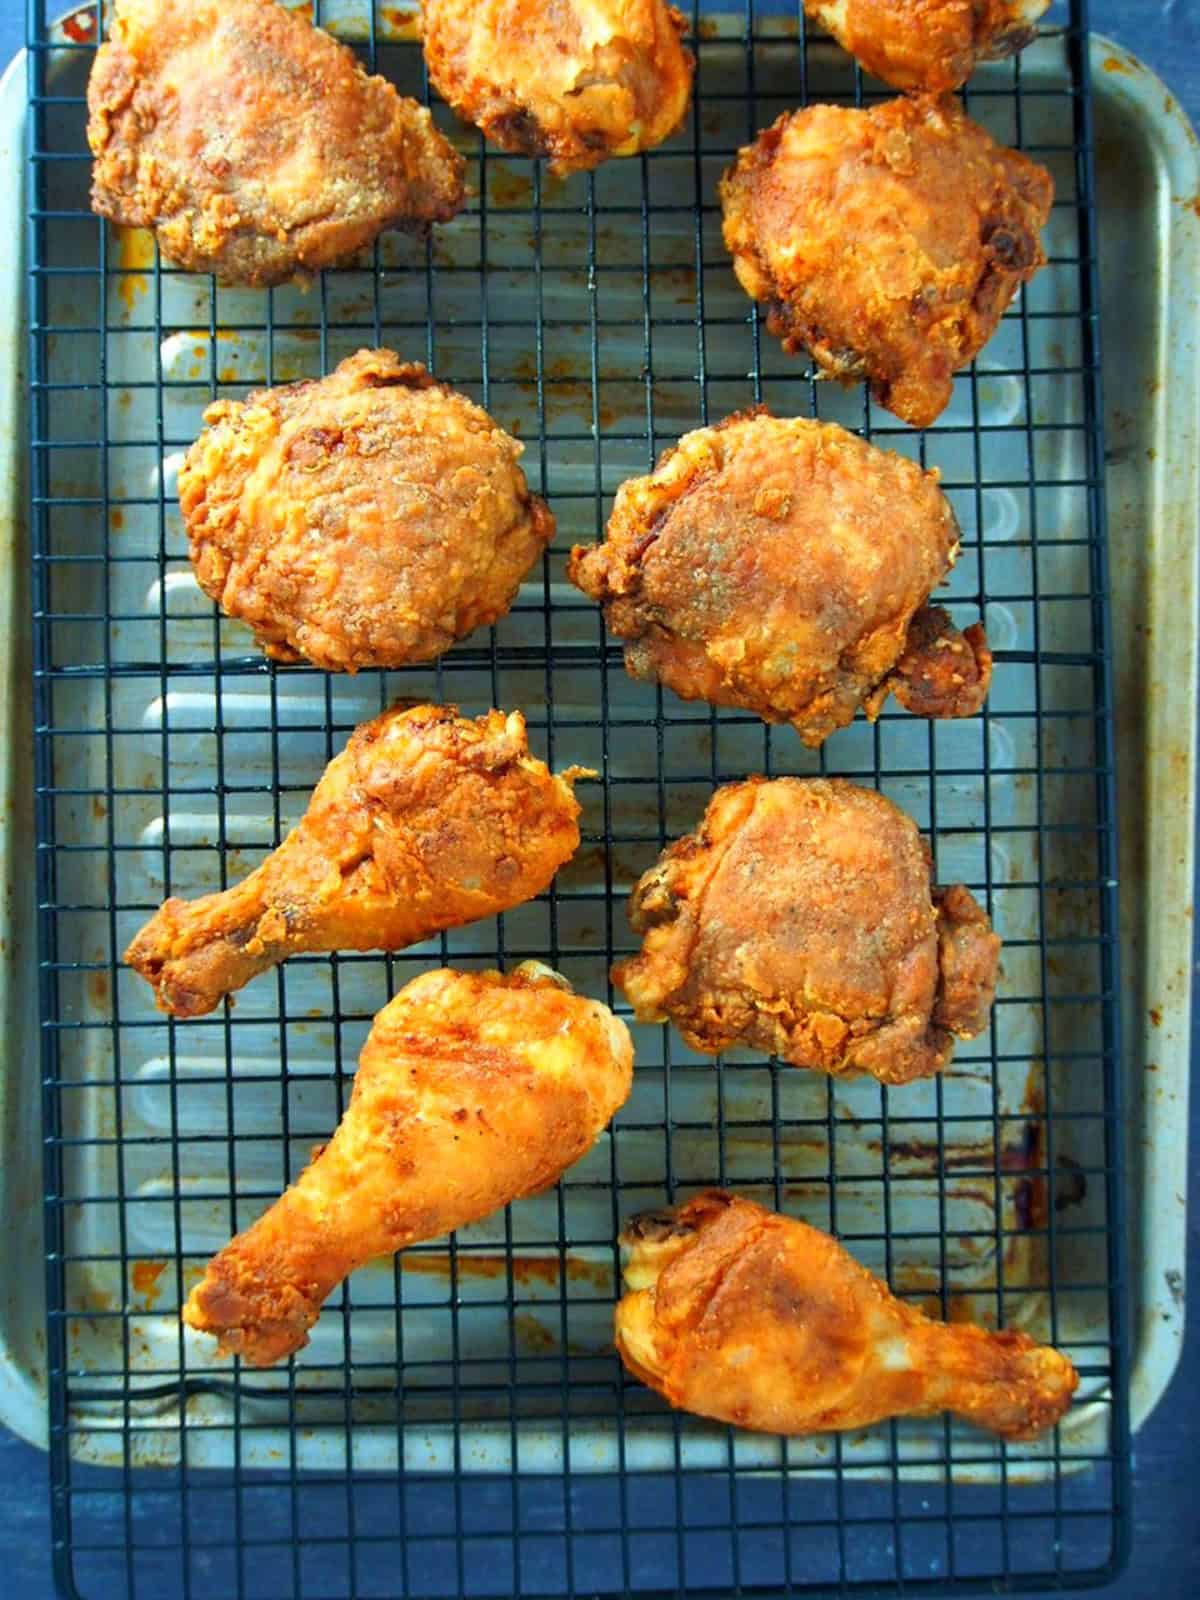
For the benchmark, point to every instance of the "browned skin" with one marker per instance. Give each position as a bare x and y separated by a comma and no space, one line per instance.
255,145
887,242
740,1314
367,519
799,919
577,81
783,566
927,44
425,821
942,672
472,1090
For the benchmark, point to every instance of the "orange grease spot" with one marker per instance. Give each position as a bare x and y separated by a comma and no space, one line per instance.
80,26
144,1276
400,23
135,252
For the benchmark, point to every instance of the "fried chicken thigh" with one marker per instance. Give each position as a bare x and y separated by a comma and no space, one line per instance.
425,821
783,566
927,44
253,144
366,519
799,919
472,1090
886,241
741,1314
576,80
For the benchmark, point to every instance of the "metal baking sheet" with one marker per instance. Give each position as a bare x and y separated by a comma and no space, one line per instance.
997,1209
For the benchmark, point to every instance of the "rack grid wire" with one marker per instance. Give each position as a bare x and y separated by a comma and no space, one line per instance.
459,1424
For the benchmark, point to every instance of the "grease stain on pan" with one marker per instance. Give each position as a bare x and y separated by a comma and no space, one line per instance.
400,23
80,26
531,1336
144,1278
135,255
525,1269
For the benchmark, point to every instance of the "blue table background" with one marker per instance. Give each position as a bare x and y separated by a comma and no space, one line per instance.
1166,1543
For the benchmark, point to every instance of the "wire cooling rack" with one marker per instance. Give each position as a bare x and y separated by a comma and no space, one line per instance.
459,1424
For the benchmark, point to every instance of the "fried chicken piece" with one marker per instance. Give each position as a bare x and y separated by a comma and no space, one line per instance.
942,673
253,144
472,1090
577,80
425,821
783,566
366,519
799,919
885,241
741,1314
928,44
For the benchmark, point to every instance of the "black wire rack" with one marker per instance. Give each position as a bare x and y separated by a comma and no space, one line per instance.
459,1425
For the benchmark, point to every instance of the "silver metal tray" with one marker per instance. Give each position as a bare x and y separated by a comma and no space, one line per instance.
1149,176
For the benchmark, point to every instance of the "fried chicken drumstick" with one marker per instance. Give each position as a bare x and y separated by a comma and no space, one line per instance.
254,144
577,81
933,44
887,241
783,566
426,820
799,919
472,1090
370,518
737,1313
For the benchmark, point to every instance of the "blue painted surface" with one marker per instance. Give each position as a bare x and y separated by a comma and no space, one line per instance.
1166,1558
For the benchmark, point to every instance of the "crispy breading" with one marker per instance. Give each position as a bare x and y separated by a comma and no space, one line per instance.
741,1314
577,81
425,821
783,565
370,518
799,919
885,241
472,1090
928,44
254,144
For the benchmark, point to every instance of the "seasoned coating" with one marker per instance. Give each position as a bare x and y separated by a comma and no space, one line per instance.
577,81
928,44
741,1314
799,919
425,821
255,145
472,1090
366,519
885,241
942,673
783,566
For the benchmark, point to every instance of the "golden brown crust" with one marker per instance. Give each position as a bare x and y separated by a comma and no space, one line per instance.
927,44
799,919
741,1314
253,143
578,81
370,518
426,821
887,241
472,1090
778,565
942,673
967,961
